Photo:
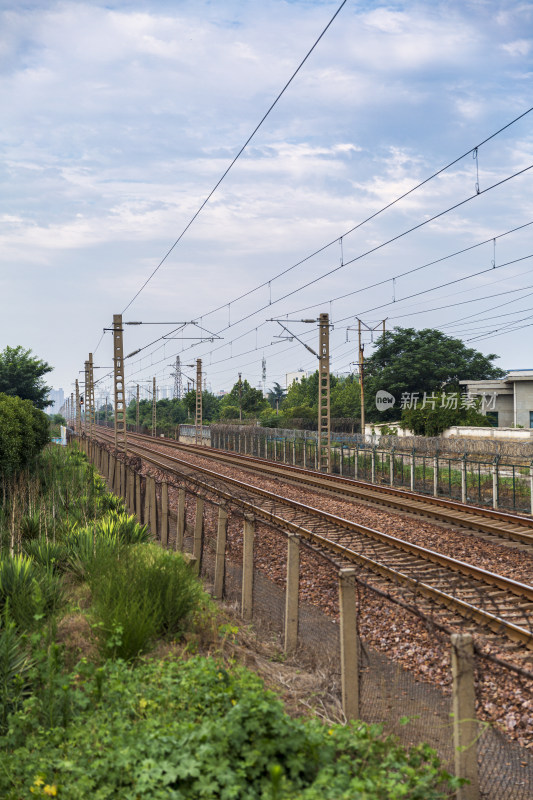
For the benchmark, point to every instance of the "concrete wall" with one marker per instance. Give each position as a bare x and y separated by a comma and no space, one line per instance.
524,402
513,434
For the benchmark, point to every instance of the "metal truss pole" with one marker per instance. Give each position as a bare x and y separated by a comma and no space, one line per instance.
361,379
86,399
91,395
198,418
120,395
137,411
324,430
154,408
78,409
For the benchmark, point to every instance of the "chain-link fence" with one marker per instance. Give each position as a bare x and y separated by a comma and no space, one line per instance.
394,666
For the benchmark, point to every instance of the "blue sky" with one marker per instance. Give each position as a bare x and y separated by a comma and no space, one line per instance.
119,118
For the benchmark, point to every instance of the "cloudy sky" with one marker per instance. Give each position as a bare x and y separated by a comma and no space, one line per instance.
120,117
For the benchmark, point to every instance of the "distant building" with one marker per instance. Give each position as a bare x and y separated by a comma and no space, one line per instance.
507,402
57,397
295,377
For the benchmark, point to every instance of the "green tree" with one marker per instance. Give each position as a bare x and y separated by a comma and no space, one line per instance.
21,375
246,397
441,413
24,430
409,361
210,405
276,395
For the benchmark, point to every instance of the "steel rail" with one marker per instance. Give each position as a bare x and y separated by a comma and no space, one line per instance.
495,622
495,522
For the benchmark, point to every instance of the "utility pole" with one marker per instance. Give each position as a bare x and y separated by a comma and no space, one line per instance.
240,398
361,379
154,408
361,360
198,418
78,409
86,399
91,395
120,397
324,430
137,411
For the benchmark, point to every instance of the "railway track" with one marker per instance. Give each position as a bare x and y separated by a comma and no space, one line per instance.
501,524
498,603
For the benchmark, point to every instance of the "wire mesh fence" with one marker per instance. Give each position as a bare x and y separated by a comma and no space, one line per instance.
438,467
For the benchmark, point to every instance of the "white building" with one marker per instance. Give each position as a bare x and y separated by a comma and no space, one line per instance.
295,377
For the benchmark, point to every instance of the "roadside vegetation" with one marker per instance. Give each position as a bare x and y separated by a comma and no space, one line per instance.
114,682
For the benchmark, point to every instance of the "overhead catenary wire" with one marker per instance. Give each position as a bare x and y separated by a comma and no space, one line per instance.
238,155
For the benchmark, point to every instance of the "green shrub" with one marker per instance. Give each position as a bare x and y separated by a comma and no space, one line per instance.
194,730
29,592
140,593
88,552
52,556
15,665
125,527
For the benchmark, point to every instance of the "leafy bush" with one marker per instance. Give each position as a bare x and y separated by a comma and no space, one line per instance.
23,433
15,666
53,556
140,593
196,730
88,552
27,591
124,527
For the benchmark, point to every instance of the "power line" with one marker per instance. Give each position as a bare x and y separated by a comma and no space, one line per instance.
217,184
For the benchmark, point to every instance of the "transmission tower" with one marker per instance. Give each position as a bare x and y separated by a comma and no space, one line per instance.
178,385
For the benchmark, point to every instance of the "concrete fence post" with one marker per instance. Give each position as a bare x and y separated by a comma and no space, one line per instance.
463,479
349,645
436,476
495,486
412,483
291,593
164,514
180,523
356,463
373,465
138,509
123,479
247,568
198,533
220,558
152,506
391,467
464,715
294,452
305,453
531,487
130,491
111,476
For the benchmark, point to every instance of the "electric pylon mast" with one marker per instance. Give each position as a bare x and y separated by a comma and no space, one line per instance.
154,408
78,409
90,398
198,418
120,397
324,430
